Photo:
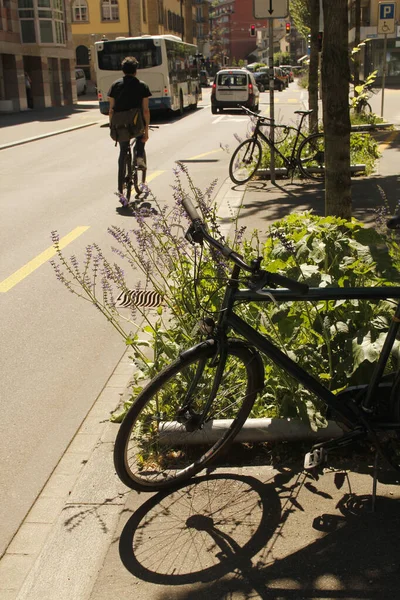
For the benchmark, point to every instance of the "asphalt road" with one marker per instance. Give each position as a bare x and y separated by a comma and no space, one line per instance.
57,351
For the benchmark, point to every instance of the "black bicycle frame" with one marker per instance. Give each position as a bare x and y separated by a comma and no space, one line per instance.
291,161
228,319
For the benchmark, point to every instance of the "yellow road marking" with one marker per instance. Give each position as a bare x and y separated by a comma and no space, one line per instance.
389,139
293,101
153,175
39,260
205,154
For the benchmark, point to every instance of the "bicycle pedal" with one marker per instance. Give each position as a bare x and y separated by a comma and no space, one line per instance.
315,458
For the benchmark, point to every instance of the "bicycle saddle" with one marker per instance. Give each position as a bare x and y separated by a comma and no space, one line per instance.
303,112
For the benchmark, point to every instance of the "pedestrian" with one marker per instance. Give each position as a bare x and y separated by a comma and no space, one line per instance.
124,94
28,87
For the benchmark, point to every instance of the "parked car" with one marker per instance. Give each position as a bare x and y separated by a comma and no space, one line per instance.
204,78
283,75
233,88
262,80
80,81
280,82
288,69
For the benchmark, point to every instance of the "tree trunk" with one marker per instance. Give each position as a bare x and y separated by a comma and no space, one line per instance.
313,66
335,100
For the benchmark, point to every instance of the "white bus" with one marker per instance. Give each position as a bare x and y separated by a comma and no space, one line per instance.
166,64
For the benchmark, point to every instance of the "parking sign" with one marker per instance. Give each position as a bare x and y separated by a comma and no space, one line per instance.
386,15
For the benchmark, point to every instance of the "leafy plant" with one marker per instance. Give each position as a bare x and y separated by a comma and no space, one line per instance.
336,341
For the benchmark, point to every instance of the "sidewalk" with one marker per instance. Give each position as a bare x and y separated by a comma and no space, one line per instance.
247,531
49,121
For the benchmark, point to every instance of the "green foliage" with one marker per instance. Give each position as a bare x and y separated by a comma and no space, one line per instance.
336,341
364,149
300,13
281,58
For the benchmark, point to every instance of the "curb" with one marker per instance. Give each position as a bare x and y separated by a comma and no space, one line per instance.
60,535
46,135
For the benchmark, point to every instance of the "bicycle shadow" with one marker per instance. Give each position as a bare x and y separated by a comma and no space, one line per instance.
232,536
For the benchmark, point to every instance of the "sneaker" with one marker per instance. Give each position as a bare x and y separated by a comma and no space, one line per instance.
124,201
140,162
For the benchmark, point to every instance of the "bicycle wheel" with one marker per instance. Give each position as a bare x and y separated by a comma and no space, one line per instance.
311,157
390,440
139,173
245,161
160,442
127,184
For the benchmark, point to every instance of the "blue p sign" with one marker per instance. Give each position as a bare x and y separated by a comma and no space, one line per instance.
386,11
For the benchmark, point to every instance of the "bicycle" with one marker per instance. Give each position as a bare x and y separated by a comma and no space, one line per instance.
134,174
359,104
309,157
193,409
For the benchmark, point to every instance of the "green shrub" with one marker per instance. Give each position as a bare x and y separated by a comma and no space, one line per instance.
337,341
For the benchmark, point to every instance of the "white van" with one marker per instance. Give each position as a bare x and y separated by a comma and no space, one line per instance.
233,88
80,81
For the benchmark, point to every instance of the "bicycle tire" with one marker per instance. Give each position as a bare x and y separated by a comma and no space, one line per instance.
242,169
154,447
128,172
139,173
311,157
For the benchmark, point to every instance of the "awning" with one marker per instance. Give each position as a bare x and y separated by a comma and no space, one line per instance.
303,58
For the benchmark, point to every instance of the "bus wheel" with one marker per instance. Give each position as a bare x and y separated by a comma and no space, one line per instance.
180,110
194,105
213,110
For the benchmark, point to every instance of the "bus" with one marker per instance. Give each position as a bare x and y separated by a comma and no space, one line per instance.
168,65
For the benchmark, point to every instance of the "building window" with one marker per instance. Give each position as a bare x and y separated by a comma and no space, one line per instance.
80,11
109,10
42,21
144,11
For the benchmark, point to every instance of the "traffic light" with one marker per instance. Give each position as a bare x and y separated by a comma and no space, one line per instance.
287,27
226,60
309,41
320,40
252,30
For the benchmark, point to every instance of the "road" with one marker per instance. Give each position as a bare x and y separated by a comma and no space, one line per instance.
57,352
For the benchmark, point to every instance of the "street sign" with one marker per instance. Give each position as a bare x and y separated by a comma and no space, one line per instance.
270,9
386,14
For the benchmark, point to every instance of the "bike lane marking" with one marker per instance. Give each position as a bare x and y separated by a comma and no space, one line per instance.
204,154
8,283
153,175
386,143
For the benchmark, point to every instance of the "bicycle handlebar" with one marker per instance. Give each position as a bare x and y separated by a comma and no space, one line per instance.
198,232
259,117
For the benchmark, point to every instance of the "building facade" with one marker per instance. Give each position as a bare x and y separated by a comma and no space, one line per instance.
372,53
36,55
93,20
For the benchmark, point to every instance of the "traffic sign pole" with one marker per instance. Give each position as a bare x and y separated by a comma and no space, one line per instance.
383,72
271,96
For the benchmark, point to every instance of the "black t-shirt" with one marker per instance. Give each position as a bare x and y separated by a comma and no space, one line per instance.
128,92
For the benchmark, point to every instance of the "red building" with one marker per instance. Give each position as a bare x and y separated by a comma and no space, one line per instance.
234,19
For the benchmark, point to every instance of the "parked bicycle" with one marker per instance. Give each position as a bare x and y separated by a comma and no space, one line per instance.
193,409
360,103
307,153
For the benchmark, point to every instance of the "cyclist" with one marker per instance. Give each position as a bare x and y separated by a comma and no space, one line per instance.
124,94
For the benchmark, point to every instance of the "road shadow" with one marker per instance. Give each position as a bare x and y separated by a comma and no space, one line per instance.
225,536
47,114
273,202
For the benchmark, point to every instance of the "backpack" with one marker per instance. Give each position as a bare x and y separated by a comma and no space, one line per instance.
126,125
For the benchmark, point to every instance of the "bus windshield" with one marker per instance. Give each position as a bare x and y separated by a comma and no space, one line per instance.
144,50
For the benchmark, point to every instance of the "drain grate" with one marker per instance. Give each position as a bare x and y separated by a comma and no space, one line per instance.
144,298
